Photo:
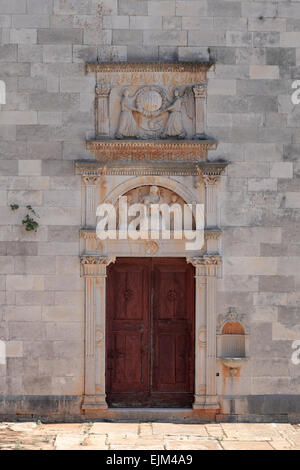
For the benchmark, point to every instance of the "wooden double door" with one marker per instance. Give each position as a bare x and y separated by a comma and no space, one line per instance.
150,333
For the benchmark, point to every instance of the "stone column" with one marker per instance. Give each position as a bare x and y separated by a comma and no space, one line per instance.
91,183
94,272
200,97
102,109
207,271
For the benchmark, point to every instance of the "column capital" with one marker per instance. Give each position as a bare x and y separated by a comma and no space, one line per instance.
94,265
103,89
200,90
206,265
90,180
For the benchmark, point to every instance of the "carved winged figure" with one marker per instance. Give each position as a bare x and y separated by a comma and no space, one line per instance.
127,125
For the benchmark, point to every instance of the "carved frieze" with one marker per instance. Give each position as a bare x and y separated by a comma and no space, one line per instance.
150,101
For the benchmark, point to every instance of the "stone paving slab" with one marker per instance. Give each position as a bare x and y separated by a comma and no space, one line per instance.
148,436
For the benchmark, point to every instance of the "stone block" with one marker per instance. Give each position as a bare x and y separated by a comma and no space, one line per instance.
266,39
197,23
14,349
12,6
292,200
290,39
165,38
66,313
18,117
71,7
265,152
39,7
115,22
57,53
206,38
193,53
191,8
145,22
26,330
264,72
62,332
238,39
126,37
54,101
250,265
23,36
24,283
35,265
30,167
281,170
30,21
112,53
45,150
133,7
62,198
59,36
267,24
50,118
262,184
84,54
37,385
64,282
165,8
276,283
168,53
8,53
94,36
23,313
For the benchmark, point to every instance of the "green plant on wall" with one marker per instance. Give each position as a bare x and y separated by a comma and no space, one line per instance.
31,225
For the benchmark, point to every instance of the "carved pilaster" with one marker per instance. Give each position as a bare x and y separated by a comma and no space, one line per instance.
207,270
102,109
94,271
90,184
200,97
210,181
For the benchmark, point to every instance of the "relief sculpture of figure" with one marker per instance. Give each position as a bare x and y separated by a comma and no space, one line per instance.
174,126
127,125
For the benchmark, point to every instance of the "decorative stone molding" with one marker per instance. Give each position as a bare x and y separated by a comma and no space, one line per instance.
93,168
141,151
232,316
143,67
207,265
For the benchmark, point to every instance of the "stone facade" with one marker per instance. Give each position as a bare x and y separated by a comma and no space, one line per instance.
49,116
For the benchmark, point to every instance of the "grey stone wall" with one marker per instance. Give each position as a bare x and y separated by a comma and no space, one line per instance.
49,112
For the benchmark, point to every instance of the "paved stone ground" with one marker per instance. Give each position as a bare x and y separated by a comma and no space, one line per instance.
153,436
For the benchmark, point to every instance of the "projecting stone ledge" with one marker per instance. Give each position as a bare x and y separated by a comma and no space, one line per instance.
147,151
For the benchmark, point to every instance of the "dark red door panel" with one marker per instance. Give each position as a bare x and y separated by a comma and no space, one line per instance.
150,333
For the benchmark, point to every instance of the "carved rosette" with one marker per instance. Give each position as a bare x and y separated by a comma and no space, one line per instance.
95,266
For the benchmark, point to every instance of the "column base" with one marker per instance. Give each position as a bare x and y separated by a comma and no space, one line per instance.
94,402
206,402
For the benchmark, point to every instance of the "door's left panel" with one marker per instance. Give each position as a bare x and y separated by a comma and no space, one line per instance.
128,332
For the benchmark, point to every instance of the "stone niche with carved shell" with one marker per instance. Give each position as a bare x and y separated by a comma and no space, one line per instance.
153,102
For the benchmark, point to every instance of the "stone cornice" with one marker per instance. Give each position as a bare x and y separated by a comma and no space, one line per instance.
90,234
144,151
106,67
94,168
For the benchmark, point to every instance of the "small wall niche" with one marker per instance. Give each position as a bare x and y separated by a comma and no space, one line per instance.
233,340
